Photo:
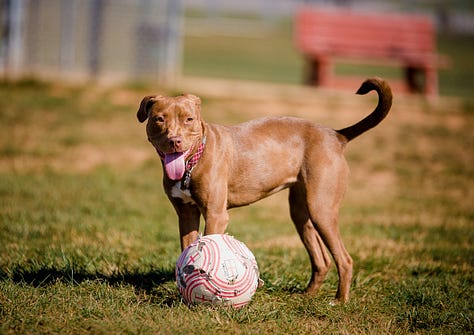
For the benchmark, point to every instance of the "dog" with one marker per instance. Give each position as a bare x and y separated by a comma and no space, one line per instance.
210,168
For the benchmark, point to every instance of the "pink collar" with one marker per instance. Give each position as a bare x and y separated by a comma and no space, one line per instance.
191,163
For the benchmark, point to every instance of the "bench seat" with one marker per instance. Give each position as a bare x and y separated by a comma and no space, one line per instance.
325,36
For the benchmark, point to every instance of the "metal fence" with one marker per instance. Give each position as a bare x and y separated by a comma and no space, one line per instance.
84,39
113,40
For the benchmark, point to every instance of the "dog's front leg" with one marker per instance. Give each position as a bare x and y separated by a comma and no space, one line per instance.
189,217
216,222
215,212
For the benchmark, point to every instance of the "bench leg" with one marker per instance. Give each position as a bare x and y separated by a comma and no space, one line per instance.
415,79
319,72
422,80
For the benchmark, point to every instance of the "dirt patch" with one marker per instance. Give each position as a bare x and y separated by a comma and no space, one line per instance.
86,157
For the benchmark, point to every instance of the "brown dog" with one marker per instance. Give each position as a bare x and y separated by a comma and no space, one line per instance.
210,168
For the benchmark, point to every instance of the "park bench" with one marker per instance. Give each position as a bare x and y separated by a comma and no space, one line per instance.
325,36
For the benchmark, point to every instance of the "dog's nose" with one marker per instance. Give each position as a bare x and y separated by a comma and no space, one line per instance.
175,142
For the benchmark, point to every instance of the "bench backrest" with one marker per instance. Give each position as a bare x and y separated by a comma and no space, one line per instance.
325,32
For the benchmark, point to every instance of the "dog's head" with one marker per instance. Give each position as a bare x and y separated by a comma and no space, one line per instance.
174,128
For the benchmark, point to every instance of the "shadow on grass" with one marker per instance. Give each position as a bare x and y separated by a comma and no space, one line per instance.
43,277
142,281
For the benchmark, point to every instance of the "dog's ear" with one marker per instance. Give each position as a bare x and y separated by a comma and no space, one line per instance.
145,105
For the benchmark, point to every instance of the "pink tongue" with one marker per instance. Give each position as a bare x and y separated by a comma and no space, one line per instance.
175,165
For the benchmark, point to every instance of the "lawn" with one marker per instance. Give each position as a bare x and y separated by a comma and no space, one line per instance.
88,241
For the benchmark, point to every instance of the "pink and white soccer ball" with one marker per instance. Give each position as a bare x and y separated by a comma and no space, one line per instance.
217,269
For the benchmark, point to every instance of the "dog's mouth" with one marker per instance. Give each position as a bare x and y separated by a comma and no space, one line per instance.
175,163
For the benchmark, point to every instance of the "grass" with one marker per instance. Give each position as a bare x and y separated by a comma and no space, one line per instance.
88,241
270,57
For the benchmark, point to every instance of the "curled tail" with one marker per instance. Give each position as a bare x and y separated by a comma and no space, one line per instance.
380,112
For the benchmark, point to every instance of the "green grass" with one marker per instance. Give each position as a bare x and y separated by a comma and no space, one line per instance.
88,240
268,58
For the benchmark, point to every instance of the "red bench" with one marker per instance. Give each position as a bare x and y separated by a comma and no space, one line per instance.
324,36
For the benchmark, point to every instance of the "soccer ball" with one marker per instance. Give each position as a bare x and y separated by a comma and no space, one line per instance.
217,269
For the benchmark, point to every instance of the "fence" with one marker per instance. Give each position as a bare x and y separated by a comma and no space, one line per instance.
84,39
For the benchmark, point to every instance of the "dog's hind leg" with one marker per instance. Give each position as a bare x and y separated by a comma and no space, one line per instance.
325,188
320,260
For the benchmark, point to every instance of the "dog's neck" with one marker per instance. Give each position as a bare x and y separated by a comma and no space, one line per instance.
191,163
194,158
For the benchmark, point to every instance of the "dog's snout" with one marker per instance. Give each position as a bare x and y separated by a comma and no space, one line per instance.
175,142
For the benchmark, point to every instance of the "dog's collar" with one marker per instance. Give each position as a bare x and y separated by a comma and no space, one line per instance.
191,163
194,159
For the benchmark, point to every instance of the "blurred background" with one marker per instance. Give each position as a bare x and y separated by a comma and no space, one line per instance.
164,41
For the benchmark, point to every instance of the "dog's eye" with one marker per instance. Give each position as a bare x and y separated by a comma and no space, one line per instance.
159,119
189,120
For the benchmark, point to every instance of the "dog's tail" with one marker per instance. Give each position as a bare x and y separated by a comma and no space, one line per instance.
380,112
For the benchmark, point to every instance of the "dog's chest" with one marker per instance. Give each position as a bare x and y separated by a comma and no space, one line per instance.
185,195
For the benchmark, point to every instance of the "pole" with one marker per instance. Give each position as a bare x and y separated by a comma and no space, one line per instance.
174,41
95,36
15,44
